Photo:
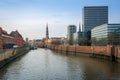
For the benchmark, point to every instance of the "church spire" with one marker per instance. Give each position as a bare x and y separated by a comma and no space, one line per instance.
47,32
79,27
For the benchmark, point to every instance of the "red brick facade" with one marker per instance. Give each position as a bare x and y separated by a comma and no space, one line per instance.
19,41
96,50
6,38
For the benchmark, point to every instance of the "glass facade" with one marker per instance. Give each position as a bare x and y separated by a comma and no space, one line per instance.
106,34
79,38
93,16
114,34
70,33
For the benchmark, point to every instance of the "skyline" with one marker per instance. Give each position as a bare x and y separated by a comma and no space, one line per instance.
29,17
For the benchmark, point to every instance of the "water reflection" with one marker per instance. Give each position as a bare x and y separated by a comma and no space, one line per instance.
44,64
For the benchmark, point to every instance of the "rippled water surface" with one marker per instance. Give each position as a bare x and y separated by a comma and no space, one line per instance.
44,64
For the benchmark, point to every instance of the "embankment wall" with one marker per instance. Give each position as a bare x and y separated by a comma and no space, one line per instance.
105,52
10,54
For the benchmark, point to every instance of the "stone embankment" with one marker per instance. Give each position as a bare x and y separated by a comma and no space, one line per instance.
10,54
105,52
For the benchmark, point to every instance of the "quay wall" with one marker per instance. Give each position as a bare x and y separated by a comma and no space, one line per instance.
117,53
105,52
10,54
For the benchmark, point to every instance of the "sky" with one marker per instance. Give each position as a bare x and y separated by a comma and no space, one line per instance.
29,17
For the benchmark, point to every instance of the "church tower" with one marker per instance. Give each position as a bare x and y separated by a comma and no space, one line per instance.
47,32
79,28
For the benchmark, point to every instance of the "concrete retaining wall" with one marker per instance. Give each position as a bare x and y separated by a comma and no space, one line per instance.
10,54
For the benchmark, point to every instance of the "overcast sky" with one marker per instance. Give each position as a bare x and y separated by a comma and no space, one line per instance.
29,17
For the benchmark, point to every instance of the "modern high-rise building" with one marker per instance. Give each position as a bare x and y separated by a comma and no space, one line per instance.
79,37
71,29
93,16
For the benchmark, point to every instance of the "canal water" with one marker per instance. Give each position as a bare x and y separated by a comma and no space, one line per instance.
44,64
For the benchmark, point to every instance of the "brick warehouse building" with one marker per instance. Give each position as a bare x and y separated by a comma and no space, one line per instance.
8,40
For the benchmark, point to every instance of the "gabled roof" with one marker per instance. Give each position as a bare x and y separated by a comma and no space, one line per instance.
15,33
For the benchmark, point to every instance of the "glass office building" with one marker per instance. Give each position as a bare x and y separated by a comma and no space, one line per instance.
106,34
71,29
79,38
93,16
